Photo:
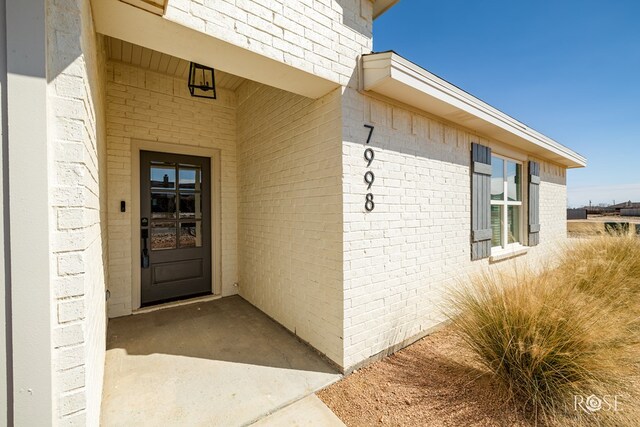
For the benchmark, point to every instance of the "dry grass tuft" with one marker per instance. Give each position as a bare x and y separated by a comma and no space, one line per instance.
569,331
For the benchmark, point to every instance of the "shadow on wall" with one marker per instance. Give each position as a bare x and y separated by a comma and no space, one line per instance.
77,54
553,174
409,132
229,330
352,18
405,130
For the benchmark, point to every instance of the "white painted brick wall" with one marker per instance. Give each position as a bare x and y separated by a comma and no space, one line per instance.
322,37
150,106
295,233
290,211
78,195
400,260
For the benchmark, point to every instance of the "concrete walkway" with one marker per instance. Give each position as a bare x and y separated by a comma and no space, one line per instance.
216,363
308,412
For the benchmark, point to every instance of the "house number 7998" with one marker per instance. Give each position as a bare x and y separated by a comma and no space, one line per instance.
369,176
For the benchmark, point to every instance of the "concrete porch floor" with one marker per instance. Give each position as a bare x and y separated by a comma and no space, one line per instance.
215,363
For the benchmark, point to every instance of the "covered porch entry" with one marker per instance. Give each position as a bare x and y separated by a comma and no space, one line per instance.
265,203
219,360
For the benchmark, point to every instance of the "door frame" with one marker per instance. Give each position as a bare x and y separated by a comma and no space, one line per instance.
213,154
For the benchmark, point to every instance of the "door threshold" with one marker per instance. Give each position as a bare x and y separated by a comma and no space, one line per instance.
178,303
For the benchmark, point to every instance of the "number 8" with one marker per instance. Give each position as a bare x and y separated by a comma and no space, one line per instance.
369,205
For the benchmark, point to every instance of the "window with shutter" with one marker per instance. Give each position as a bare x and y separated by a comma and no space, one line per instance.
498,219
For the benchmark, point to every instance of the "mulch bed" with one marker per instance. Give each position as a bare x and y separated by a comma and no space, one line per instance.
434,382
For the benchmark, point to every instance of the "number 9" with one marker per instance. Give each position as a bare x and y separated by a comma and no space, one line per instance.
368,156
369,177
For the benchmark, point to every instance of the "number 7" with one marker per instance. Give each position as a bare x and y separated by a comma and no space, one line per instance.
370,132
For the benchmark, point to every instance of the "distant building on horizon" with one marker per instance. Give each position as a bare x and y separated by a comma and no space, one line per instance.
625,205
624,208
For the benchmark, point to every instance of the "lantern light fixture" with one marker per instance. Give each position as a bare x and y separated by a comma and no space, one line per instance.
202,83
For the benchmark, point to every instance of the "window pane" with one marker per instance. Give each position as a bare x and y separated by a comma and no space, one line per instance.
163,177
163,235
514,188
190,205
497,178
496,226
163,205
189,178
513,215
190,234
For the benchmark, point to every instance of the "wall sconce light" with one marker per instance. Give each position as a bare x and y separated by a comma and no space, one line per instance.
202,83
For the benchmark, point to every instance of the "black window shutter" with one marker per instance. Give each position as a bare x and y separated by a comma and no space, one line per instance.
480,201
534,203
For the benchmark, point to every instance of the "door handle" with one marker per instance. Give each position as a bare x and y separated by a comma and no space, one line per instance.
145,252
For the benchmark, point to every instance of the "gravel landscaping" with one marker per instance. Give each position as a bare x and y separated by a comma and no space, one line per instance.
434,382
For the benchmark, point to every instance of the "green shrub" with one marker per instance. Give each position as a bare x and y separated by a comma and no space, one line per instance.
569,331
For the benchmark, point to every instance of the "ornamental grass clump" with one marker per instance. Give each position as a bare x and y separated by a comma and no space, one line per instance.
556,338
607,268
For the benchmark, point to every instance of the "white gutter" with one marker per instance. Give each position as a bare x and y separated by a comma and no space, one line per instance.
391,75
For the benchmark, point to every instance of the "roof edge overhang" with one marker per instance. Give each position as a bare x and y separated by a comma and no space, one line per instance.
390,75
126,22
381,6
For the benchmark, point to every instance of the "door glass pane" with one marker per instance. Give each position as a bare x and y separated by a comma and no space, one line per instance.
190,178
163,205
514,189
191,234
163,177
497,178
163,235
496,225
190,205
513,214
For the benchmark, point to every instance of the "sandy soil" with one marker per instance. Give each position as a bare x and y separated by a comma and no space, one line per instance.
434,382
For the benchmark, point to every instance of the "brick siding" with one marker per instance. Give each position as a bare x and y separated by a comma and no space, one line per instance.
290,211
322,37
78,202
401,259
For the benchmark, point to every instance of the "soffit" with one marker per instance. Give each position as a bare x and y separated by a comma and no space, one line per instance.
149,59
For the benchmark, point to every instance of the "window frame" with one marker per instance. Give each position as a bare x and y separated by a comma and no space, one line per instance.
505,203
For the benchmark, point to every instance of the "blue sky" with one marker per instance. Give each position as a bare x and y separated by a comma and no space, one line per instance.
567,68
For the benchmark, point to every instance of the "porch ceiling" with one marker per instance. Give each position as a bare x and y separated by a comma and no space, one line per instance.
143,57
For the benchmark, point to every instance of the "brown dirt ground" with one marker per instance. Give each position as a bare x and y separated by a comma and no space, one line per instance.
434,382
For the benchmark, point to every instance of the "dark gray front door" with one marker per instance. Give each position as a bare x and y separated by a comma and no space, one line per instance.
175,226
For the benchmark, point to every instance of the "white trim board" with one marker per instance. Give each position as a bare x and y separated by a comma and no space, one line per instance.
216,215
391,75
